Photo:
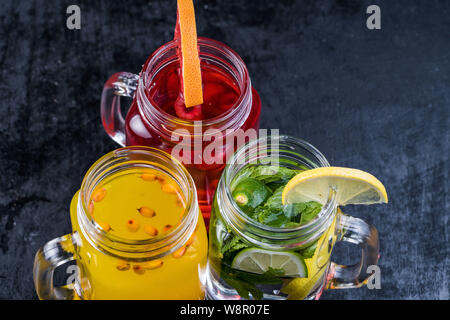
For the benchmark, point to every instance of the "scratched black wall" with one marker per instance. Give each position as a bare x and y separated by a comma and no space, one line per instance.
375,100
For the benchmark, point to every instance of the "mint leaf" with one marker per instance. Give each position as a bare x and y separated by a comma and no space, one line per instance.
271,276
269,209
274,201
308,252
243,288
270,216
231,244
309,211
274,272
293,211
271,213
228,243
269,174
291,225
245,282
238,246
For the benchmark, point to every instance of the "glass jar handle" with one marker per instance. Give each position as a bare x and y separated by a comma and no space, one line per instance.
52,255
121,84
358,232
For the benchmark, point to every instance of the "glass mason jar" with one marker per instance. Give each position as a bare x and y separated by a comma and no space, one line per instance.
232,231
107,265
148,123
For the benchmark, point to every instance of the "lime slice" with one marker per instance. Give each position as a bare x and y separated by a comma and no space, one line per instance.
259,261
352,186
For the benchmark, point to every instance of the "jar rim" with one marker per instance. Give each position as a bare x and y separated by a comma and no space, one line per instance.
230,118
125,159
276,233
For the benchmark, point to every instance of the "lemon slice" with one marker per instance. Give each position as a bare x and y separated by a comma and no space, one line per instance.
352,186
259,260
300,288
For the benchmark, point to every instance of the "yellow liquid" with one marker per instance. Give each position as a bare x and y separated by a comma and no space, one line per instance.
175,276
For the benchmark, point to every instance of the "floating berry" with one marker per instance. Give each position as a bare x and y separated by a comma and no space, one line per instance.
123,266
91,207
192,113
146,212
179,253
139,269
132,225
151,230
99,195
148,177
180,202
169,188
151,265
161,180
191,239
105,226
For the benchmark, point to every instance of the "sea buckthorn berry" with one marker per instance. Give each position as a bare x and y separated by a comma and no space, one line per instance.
166,228
91,207
148,177
146,212
99,195
105,226
123,266
179,253
132,225
180,202
169,188
191,239
151,230
151,265
161,180
139,269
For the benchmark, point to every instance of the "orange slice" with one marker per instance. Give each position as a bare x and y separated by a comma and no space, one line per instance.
191,74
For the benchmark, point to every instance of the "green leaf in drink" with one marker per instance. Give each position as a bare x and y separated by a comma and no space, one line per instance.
250,193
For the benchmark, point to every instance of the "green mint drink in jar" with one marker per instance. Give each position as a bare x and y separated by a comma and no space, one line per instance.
275,220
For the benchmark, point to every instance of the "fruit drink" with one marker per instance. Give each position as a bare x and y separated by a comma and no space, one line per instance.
255,272
228,102
140,205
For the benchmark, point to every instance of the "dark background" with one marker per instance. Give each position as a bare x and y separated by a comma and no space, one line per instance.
377,100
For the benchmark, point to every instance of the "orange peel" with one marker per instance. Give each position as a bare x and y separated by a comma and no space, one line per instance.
186,31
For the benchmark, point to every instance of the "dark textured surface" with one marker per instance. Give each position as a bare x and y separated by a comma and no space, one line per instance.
374,100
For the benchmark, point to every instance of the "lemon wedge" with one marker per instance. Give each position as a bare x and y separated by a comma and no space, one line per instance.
352,186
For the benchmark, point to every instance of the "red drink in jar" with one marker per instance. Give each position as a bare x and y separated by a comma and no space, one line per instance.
158,117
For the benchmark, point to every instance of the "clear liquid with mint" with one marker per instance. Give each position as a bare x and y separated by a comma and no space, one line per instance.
242,268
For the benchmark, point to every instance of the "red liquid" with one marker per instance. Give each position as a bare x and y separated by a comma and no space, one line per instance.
220,92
